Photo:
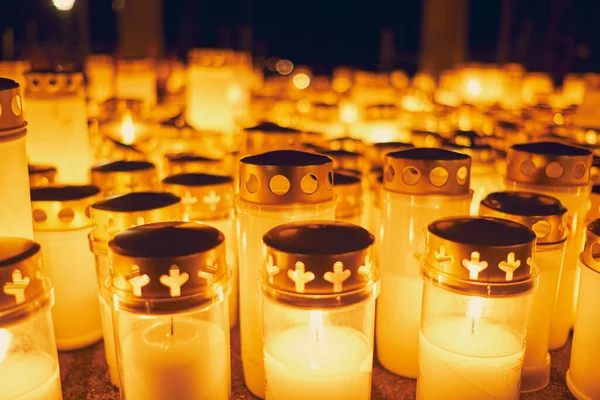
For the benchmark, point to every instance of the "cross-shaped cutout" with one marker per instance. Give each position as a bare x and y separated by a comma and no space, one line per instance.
272,269
509,266
367,268
17,286
474,265
137,281
131,183
338,276
188,199
211,271
300,277
531,264
174,280
212,200
139,221
443,260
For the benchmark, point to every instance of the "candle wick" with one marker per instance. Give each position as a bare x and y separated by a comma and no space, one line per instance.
472,325
172,328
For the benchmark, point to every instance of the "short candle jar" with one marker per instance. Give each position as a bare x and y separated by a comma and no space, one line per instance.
169,282
41,175
28,360
419,186
110,216
319,286
544,215
560,171
121,177
275,188
478,281
209,199
348,195
582,375
268,136
61,225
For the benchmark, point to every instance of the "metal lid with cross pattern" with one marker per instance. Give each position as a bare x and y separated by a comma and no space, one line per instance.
61,208
12,121
41,175
53,83
319,264
481,256
124,176
168,267
591,252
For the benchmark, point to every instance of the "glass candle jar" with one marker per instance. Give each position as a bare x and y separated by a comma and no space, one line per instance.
169,282
136,79
209,199
275,188
379,124
268,136
41,175
478,282
319,286
125,176
181,163
419,186
58,130
28,359
110,216
561,171
61,225
544,215
347,188
100,70
582,375
15,213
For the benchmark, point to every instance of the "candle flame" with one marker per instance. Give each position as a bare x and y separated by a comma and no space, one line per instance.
127,129
474,311
473,87
4,343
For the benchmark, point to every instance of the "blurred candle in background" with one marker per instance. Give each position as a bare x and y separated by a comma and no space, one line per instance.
120,177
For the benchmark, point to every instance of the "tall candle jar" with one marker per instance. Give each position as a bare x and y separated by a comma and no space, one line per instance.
58,130
41,175
419,186
61,225
110,216
560,171
478,282
544,215
268,136
136,79
319,286
209,199
275,188
169,282
582,375
347,188
15,214
28,360
124,176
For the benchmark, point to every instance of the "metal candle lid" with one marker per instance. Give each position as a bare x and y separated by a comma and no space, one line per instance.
168,267
203,196
591,252
117,177
480,256
286,177
41,175
50,84
22,278
190,162
548,163
348,194
544,215
59,208
319,264
424,171
12,120
270,136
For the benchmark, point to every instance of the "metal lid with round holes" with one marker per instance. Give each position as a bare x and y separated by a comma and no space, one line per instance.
591,252
50,84
167,267
117,213
61,208
319,264
378,151
544,215
192,163
348,194
286,177
12,121
480,256
203,196
424,171
348,160
268,136
124,176
41,175
548,163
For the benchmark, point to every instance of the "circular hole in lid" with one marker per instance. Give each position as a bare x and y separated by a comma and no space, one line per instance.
595,250
15,105
554,170
461,175
252,183
438,176
410,175
66,215
528,168
309,184
279,185
578,170
329,183
389,173
39,215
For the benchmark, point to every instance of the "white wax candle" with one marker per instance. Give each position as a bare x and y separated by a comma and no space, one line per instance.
192,363
336,366
482,365
109,341
29,376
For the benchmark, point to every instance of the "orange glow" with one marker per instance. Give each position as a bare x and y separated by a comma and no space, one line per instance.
301,81
63,5
341,84
234,94
473,87
127,129
558,119
464,123
591,137
284,67
474,311
303,105
348,113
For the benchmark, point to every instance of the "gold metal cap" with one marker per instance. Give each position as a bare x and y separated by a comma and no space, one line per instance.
591,252
192,163
348,194
218,58
378,151
548,163
125,176
50,84
425,171
348,160
22,278
112,215
544,215
319,264
286,177
168,267
480,256
41,175
11,107
203,196
268,136
61,208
